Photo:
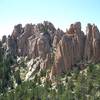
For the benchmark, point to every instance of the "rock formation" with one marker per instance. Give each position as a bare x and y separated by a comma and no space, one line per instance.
18,30
92,47
70,49
39,42
88,43
64,55
57,37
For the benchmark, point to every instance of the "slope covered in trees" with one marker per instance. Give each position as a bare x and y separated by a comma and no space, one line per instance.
74,85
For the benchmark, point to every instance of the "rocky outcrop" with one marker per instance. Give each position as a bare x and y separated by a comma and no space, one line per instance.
43,46
23,40
40,46
64,55
33,53
30,32
18,30
57,37
88,43
92,48
80,41
40,52
70,49
96,44
41,41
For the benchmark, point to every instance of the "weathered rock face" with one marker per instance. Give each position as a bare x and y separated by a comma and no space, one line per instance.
92,47
64,55
43,45
42,40
80,41
40,47
31,32
23,40
58,35
88,43
71,30
96,44
49,27
70,49
33,53
40,50
18,30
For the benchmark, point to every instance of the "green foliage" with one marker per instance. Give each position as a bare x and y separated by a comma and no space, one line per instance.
5,73
22,63
43,73
74,85
17,77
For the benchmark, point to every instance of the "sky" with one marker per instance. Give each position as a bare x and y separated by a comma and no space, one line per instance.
61,13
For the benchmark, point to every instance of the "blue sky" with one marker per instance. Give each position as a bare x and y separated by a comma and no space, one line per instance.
60,12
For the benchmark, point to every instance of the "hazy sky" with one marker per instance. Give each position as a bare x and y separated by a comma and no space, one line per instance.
60,12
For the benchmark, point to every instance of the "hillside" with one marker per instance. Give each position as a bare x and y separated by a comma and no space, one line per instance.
40,62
